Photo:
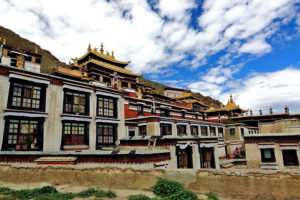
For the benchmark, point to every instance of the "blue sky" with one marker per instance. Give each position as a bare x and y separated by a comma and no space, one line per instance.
249,48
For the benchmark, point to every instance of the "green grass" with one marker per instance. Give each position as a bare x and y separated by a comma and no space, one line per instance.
50,193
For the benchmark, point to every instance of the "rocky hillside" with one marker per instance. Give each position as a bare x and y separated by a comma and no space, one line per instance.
49,61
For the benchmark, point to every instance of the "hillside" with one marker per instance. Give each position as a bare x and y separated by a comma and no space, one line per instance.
49,61
22,44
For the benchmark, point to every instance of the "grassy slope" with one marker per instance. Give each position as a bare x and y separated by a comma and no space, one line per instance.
49,61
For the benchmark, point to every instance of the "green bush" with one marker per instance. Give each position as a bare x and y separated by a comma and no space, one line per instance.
211,196
164,187
182,195
139,197
87,193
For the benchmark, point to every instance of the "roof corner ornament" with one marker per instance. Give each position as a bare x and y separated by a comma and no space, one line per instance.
89,47
101,49
75,60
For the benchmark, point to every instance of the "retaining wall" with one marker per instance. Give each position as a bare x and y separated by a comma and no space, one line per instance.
234,184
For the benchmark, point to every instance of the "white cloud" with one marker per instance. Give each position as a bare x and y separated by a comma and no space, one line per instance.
255,46
272,89
135,32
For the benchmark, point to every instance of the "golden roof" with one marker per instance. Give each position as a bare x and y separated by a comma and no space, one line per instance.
102,55
68,71
109,66
184,95
194,101
229,106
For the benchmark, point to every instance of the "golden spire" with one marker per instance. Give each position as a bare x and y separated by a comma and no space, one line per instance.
89,47
231,100
101,49
112,54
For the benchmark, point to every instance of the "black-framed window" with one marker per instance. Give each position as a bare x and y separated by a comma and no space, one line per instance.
75,133
106,135
76,102
165,113
220,132
106,107
143,130
267,155
140,109
183,115
212,131
165,129
242,132
181,129
194,130
290,158
204,130
25,95
232,132
23,131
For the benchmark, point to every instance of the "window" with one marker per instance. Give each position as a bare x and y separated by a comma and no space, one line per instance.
106,135
212,131
183,115
242,132
165,129
220,131
164,113
290,158
267,155
194,130
107,107
140,109
204,131
143,130
181,130
232,132
76,102
74,133
25,96
20,132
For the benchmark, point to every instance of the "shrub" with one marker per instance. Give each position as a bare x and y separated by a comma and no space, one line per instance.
138,197
164,187
182,195
87,193
211,196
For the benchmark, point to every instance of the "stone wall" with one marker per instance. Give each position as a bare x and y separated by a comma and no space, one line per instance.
237,184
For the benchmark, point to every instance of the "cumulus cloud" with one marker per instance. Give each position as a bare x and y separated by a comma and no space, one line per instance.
152,35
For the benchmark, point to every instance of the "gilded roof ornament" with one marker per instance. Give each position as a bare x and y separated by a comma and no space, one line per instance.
75,60
89,47
107,53
112,54
101,49
95,49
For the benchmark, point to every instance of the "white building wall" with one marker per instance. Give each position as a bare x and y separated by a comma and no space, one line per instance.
33,67
4,89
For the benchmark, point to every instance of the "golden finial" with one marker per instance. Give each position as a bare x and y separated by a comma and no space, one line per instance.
89,47
101,49
107,53
95,49
112,54
231,100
